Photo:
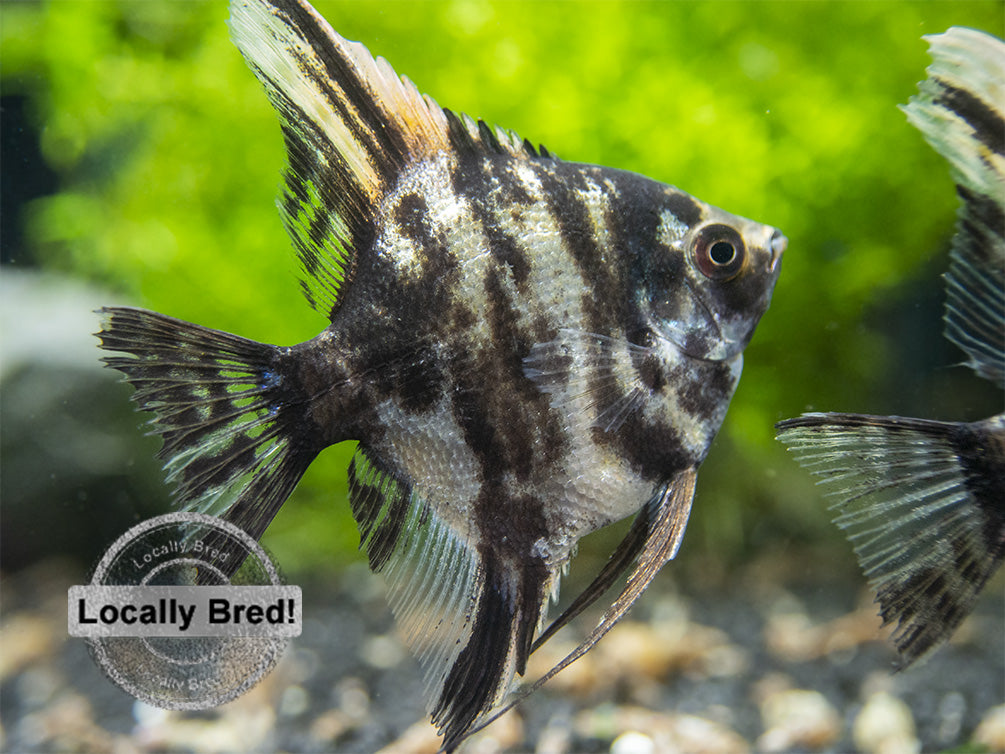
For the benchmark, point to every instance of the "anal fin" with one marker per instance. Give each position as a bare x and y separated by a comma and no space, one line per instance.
466,612
655,541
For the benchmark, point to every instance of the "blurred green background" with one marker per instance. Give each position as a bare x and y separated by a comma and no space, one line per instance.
141,161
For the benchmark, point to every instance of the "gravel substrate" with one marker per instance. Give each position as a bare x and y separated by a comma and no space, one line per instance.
763,667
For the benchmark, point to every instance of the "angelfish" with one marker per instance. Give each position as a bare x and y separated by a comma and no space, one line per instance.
923,501
525,349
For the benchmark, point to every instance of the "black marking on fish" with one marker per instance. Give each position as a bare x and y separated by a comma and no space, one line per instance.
473,682
411,215
984,218
382,137
701,397
684,208
986,121
379,507
650,448
484,183
605,286
651,372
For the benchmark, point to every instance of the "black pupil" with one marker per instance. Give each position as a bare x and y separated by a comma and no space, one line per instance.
722,252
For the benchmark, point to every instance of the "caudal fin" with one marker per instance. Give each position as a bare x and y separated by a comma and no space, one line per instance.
235,438
960,110
922,503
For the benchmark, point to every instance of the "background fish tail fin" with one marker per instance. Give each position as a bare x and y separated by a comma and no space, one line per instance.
960,110
921,501
235,442
350,125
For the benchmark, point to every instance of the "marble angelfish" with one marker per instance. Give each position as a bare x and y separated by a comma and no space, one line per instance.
526,350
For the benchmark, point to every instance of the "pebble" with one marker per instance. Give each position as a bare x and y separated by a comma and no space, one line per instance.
329,725
798,718
639,657
556,738
68,724
885,725
504,734
669,732
25,638
991,730
383,652
633,742
419,738
790,634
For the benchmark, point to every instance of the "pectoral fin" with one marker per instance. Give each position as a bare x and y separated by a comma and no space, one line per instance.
591,373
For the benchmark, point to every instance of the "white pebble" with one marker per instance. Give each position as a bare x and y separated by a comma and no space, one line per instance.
991,731
885,726
633,742
797,718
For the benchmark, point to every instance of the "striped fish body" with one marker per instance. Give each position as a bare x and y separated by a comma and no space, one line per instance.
512,323
526,350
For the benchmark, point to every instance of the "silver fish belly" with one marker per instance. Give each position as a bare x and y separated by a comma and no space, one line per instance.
526,350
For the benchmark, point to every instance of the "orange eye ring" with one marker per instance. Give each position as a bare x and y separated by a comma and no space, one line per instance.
719,252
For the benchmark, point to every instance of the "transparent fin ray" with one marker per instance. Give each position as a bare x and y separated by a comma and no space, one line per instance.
591,373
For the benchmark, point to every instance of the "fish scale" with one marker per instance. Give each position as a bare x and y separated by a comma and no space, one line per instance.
526,350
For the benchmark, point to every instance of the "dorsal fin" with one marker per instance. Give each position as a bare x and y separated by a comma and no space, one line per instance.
351,125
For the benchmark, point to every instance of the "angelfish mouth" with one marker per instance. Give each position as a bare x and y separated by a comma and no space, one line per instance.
778,244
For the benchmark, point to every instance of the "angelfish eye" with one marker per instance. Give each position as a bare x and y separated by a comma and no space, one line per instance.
719,252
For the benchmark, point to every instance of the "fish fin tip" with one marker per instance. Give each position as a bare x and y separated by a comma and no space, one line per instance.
470,135
960,111
350,124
